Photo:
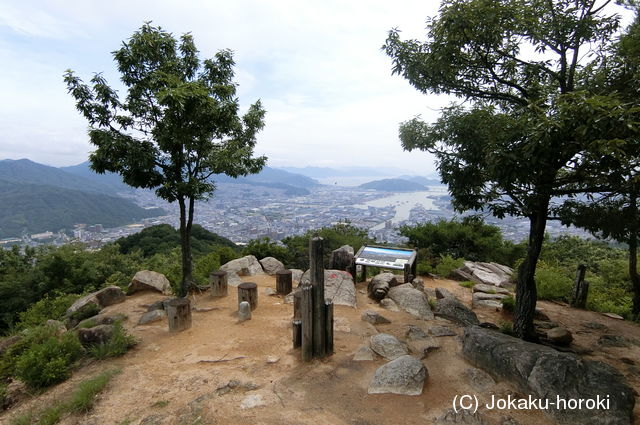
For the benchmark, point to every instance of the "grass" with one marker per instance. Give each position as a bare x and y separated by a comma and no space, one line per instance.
509,304
117,345
467,284
81,400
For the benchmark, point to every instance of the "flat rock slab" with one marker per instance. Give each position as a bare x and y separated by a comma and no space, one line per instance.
102,298
422,347
454,310
414,332
388,346
152,316
477,296
412,301
494,304
438,330
404,375
489,289
364,353
374,318
443,293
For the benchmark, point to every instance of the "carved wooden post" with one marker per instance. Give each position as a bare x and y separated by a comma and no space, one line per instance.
306,310
284,281
297,305
218,282
179,314
328,327
316,272
580,288
248,291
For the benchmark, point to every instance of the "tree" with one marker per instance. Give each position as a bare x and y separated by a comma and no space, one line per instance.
178,125
530,129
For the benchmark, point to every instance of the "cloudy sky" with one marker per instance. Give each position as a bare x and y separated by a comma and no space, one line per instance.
317,67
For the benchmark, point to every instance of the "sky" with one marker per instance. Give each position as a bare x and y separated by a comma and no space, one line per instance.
317,67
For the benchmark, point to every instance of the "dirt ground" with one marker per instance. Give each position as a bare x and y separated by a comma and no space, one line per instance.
183,378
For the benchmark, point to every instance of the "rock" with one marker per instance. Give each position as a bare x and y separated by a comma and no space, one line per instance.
152,316
338,287
389,304
296,275
454,310
437,330
404,375
272,359
506,420
547,374
421,347
233,279
595,326
489,289
430,292
388,346
102,319
379,285
414,332
245,266
478,296
613,316
374,318
443,293
545,325
95,335
101,299
484,273
461,417
479,379
7,342
153,420
149,280
251,401
412,301
270,292
244,311
540,315
497,305
418,284
559,336
364,353
158,305
489,325
610,340
271,265
347,248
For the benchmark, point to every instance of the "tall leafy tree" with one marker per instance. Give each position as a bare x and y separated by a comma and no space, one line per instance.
178,125
529,129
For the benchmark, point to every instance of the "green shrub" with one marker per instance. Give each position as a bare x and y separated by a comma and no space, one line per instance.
467,284
448,264
509,304
424,268
609,297
265,247
119,343
49,362
552,283
84,396
50,307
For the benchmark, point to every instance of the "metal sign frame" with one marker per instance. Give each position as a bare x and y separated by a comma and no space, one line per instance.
387,258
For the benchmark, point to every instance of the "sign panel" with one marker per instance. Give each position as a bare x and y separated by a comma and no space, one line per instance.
390,258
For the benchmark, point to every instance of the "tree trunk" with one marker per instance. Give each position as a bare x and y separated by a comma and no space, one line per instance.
633,253
186,220
526,294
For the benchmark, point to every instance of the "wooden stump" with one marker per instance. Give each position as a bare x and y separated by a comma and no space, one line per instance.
248,291
284,282
218,282
179,314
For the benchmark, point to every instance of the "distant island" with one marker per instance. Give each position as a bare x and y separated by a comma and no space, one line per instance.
394,185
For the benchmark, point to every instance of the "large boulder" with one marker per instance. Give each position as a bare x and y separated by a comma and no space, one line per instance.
388,346
296,275
452,309
380,284
149,280
338,287
95,335
484,273
271,265
411,300
551,375
404,375
245,266
102,298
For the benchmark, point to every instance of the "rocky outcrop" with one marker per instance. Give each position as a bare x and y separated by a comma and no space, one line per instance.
245,266
412,301
452,309
338,287
389,304
296,275
147,280
102,298
489,289
404,375
388,346
548,374
484,273
443,293
271,265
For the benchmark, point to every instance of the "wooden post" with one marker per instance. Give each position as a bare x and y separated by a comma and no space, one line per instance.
328,327
579,295
218,282
306,310
284,282
248,291
179,314
317,282
297,333
297,305
414,268
363,273
408,276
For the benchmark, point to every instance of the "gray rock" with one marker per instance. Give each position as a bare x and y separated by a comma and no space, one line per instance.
389,304
379,285
595,326
506,420
95,335
270,292
152,316
296,275
404,375
418,284
412,301
338,287
422,347
388,346
497,305
478,296
430,292
158,305
559,336
364,353
489,289
271,265
146,280
461,417
454,310
479,379
233,279
374,318
244,311
485,273
437,330
102,298
245,266
443,293
610,340
347,248
414,332
546,373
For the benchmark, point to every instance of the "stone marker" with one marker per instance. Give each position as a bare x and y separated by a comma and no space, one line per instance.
244,311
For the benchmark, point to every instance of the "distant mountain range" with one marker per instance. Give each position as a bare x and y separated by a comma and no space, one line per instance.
326,172
394,185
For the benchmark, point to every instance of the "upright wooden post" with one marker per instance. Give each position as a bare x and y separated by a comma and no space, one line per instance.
317,283
218,281
297,333
284,281
248,291
579,297
328,328
363,273
306,310
179,314
297,305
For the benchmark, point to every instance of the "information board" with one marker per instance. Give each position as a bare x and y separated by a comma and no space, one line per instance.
390,258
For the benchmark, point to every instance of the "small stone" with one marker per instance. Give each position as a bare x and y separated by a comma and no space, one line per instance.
152,316
388,346
244,311
273,359
595,326
541,315
560,336
389,304
414,332
418,284
158,305
497,305
374,318
364,353
251,401
438,330
478,296
270,292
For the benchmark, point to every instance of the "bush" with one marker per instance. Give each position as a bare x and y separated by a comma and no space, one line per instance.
509,304
552,283
265,247
467,284
49,362
119,343
50,307
447,265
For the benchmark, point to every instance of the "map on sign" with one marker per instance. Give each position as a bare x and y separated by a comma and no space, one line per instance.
392,258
